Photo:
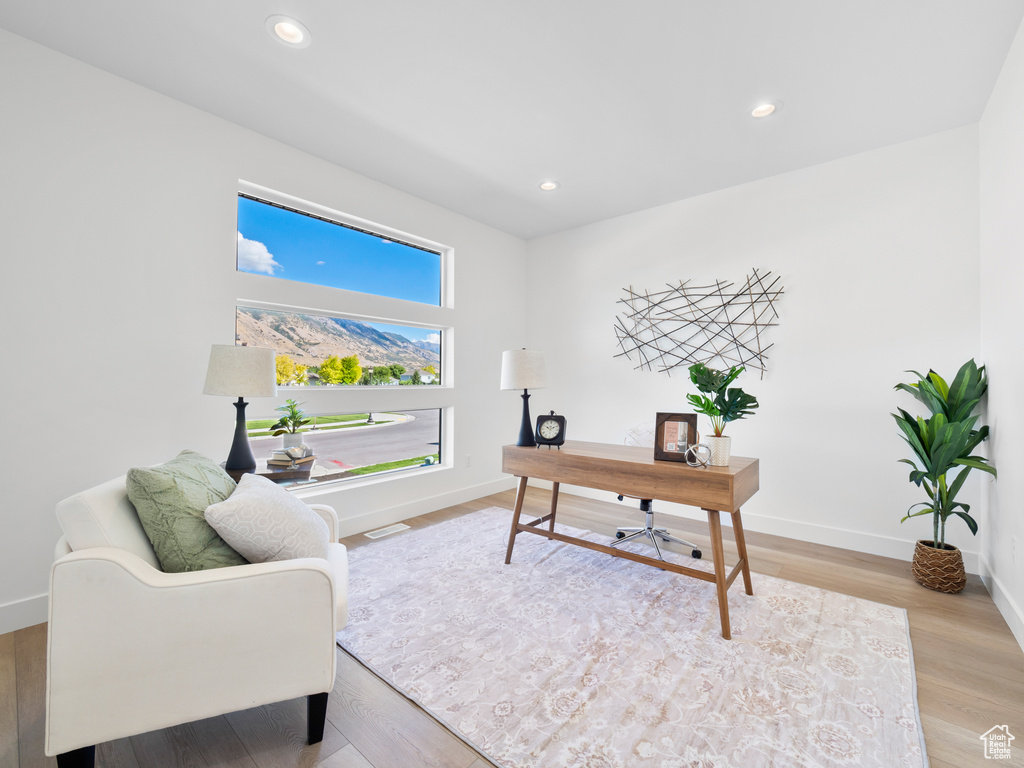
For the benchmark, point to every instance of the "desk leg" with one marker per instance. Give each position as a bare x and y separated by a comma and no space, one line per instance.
718,556
520,497
554,505
741,548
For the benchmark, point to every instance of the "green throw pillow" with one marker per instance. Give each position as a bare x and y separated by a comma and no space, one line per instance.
171,501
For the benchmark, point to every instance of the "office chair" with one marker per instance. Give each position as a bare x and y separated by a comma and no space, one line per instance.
643,436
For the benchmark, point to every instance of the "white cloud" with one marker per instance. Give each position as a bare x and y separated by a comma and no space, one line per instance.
320,263
253,256
434,338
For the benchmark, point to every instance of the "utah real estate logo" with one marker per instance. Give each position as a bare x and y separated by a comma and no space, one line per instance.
997,742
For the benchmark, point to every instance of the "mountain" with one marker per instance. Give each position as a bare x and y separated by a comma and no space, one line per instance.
429,346
311,339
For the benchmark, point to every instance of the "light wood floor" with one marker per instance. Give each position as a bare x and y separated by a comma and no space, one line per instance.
970,673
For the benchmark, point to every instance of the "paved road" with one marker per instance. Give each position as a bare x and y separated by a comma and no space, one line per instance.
338,449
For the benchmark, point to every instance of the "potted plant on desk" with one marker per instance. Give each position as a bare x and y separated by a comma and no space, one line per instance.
293,417
724,405
943,444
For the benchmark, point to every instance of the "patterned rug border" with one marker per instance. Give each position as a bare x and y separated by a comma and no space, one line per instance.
579,532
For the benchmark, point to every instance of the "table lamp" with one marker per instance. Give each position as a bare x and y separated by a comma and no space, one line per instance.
523,369
241,372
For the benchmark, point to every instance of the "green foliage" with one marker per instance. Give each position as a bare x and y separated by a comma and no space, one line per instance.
285,369
292,418
340,370
726,404
397,371
332,371
416,378
351,370
944,443
289,372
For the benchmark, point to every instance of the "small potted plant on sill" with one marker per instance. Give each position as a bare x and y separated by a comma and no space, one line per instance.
293,417
943,445
724,405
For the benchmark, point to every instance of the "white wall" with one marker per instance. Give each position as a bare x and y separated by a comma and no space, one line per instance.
1002,278
118,225
878,254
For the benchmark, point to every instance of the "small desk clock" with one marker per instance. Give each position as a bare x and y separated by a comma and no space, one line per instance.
550,430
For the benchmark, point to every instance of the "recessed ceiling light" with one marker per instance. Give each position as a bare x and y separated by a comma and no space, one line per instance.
763,110
288,31
549,186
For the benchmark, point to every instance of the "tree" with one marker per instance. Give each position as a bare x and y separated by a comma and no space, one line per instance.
301,374
351,369
340,370
332,371
416,378
432,371
397,371
285,369
381,374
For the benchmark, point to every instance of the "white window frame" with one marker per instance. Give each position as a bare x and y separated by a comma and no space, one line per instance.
272,292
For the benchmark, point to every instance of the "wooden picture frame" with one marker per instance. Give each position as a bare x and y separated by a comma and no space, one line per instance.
673,434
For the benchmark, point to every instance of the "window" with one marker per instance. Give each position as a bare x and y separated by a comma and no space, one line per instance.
282,242
359,338
337,351
353,445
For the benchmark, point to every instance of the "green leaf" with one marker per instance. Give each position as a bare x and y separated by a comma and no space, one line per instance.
736,404
977,462
703,405
912,433
938,383
711,381
970,522
957,484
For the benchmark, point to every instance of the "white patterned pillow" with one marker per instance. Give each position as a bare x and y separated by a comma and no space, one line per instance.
263,522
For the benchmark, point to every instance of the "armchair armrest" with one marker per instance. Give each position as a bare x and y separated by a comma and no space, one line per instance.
132,649
330,517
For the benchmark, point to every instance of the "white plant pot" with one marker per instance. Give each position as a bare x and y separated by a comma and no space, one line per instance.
291,439
721,448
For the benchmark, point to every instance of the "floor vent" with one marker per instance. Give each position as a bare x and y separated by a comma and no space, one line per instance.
386,531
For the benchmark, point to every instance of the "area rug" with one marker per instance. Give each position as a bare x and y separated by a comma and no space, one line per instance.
569,658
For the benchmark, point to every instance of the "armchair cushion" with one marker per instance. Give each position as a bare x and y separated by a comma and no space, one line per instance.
263,522
171,500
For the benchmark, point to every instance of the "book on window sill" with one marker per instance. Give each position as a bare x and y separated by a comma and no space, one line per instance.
275,462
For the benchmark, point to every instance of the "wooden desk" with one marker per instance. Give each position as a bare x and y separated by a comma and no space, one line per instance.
633,471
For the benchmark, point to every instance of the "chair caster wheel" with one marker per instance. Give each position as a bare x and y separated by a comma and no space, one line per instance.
696,554
619,534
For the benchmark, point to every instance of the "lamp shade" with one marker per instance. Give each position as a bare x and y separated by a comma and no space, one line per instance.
523,369
241,372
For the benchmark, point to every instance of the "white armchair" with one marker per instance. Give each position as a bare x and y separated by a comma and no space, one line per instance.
133,649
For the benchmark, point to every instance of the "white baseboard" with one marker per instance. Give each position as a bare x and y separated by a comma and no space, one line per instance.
1011,612
858,541
381,517
23,613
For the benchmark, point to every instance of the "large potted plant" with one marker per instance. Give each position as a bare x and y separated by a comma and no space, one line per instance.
943,445
721,404
292,418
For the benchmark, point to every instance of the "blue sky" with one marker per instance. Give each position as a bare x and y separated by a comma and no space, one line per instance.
281,243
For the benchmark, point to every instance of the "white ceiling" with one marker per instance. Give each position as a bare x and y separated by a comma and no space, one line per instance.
627,103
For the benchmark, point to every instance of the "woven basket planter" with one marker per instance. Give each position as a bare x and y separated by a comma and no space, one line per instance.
939,569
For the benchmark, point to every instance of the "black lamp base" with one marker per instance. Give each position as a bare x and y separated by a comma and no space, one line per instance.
240,459
526,428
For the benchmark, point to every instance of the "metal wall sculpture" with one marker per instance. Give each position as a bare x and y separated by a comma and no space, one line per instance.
719,325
